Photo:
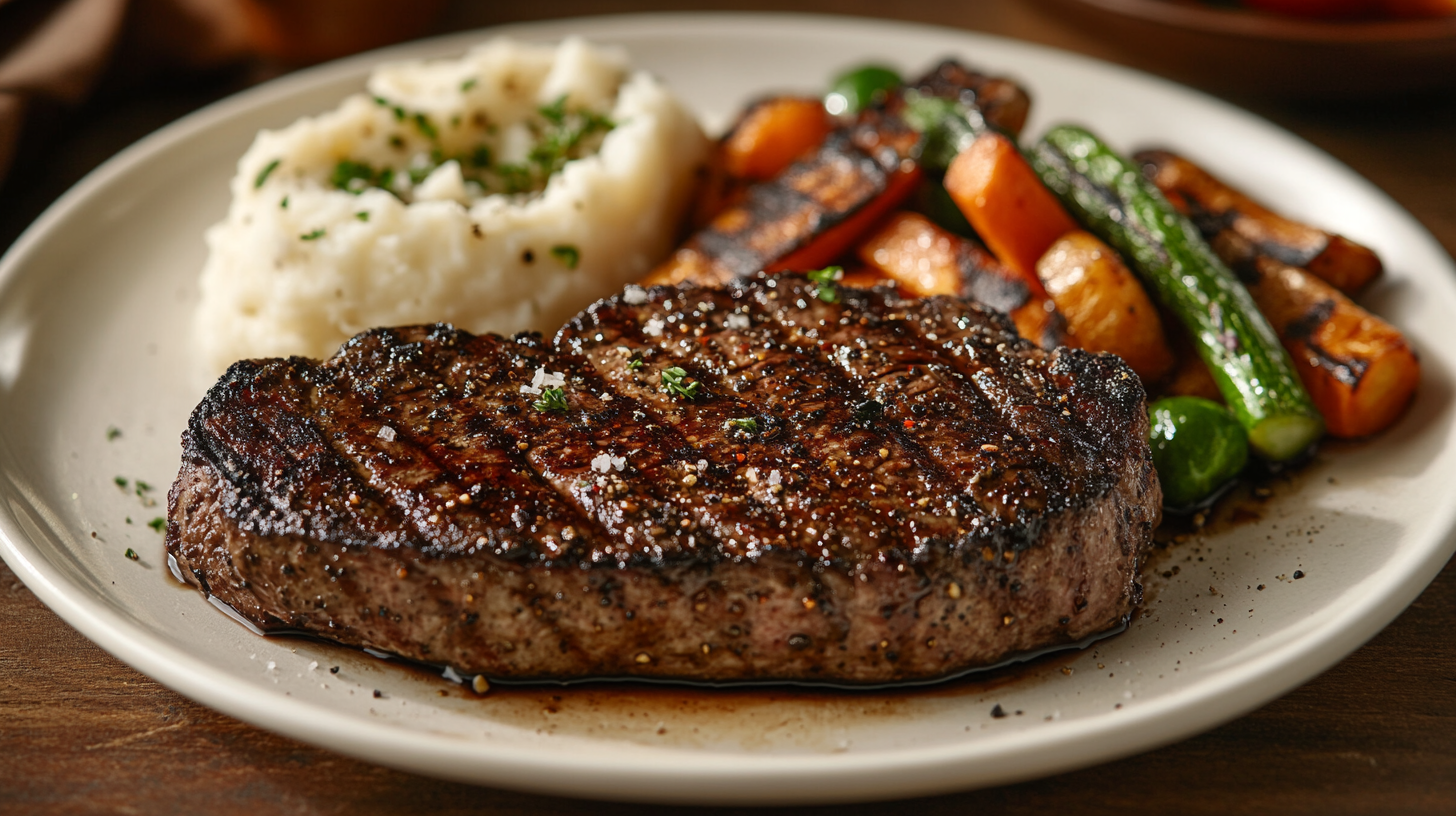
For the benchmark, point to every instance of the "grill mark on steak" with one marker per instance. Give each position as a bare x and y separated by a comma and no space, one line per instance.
806,407
452,453
842,574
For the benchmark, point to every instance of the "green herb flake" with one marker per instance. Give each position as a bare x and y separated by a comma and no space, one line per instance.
313,236
283,205
555,113
552,399
132,554
480,157
672,383
746,424
362,215
468,84
142,487
159,524
121,482
825,278
399,113
425,126
568,255
113,433
633,365
266,172
354,176
128,519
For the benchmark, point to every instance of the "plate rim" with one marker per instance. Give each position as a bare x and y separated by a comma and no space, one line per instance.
853,776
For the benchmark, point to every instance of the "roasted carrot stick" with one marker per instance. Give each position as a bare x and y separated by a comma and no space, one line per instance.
1359,370
1214,206
1006,203
926,260
807,216
771,134
1105,307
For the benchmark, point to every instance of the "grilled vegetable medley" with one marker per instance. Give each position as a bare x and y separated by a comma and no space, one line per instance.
1239,320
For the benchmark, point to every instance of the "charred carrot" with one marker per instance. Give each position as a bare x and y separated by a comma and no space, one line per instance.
1243,352
1105,307
1360,371
771,134
1006,203
926,260
808,215
1214,206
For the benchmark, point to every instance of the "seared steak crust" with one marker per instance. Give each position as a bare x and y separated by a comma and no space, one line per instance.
867,490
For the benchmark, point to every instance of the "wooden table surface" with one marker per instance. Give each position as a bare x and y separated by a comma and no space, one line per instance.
80,732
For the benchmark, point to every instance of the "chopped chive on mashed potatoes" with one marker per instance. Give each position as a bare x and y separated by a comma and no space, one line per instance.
503,191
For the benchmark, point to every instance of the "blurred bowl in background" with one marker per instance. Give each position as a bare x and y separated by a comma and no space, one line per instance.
1252,52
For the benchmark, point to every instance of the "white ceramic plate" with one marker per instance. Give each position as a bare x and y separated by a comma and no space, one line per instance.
94,307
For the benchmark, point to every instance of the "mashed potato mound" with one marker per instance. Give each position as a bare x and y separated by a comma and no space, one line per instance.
500,192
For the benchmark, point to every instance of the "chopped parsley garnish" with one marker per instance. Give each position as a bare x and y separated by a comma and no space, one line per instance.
468,84
313,236
425,126
356,177
560,135
266,172
555,113
552,399
747,424
362,215
159,524
121,482
515,178
399,113
672,383
113,433
633,365
560,142
132,554
142,487
826,277
283,204
569,255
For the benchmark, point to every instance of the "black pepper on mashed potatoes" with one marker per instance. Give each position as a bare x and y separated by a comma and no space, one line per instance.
500,192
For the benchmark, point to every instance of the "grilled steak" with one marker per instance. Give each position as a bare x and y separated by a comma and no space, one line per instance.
776,480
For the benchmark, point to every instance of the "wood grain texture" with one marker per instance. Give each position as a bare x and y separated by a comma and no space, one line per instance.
82,733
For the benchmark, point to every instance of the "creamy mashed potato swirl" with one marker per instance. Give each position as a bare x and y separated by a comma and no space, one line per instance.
503,191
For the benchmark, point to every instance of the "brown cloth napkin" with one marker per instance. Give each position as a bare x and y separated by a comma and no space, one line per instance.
55,53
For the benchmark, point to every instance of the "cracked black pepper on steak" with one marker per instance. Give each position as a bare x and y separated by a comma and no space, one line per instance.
754,482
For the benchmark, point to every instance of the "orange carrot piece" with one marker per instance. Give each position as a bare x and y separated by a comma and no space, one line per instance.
1337,260
771,134
927,260
828,245
916,254
1105,306
1359,370
1006,203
